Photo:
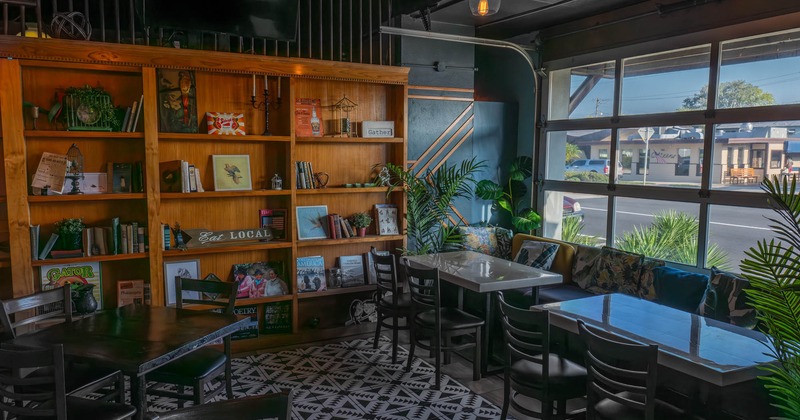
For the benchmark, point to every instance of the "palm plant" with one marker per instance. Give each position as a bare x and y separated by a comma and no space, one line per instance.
509,197
431,225
773,270
571,228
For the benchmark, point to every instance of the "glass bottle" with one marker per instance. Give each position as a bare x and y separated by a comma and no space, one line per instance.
315,123
277,182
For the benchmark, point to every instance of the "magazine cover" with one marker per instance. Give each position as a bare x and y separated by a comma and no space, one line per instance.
260,279
57,275
277,317
250,328
311,274
352,267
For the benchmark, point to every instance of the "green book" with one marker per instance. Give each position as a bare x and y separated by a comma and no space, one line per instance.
116,235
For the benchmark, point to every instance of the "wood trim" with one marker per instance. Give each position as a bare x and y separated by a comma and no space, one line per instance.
419,159
441,89
441,98
152,188
58,50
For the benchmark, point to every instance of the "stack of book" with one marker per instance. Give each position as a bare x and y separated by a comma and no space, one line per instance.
339,227
179,176
131,119
117,238
305,176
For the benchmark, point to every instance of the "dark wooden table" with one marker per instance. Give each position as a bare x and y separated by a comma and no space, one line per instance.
136,339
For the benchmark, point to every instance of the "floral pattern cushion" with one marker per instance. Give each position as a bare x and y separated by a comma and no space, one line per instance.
726,301
494,241
504,239
647,286
585,258
537,254
616,271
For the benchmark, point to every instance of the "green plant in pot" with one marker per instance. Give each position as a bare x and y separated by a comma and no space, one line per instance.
508,197
361,221
69,233
773,269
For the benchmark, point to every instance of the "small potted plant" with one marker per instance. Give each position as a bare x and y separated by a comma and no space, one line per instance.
69,233
361,220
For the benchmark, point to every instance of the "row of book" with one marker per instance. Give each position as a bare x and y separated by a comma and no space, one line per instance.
125,177
350,271
305,176
339,227
116,238
179,176
132,113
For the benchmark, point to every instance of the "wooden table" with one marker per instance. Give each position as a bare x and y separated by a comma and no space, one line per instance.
483,273
135,339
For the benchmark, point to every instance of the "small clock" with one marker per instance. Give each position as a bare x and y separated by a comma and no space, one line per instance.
87,114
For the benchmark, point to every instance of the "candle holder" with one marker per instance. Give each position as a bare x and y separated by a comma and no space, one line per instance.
264,105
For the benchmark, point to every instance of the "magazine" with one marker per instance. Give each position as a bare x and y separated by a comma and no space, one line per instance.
260,279
250,328
277,317
352,267
57,275
311,274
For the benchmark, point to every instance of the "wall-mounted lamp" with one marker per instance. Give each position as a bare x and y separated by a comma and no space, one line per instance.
484,7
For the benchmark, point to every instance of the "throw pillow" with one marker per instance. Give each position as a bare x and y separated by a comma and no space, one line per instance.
679,289
647,286
504,238
616,271
537,254
479,239
585,258
726,301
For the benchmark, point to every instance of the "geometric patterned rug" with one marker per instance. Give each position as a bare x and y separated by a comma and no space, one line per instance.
351,380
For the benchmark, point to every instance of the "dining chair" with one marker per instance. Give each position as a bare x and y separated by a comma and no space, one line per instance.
24,314
275,405
44,396
621,379
531,368
392,303
203,365
439,324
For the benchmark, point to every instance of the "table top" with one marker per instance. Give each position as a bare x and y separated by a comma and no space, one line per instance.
713,351
135,338
484,273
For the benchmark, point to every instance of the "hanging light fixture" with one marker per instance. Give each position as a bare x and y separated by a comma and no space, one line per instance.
484,7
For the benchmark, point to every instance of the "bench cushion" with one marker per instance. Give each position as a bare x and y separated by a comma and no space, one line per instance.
725,300
561,293
583,267
616,271
494,241
537,254
679,289
647,287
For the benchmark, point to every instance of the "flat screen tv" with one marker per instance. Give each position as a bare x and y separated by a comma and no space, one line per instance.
273,19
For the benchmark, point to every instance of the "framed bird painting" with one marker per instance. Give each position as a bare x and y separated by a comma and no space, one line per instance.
177,101
232,172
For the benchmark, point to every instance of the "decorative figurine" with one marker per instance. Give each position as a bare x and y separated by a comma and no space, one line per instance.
277,182
178,237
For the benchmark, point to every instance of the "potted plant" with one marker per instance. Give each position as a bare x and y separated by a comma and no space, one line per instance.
69,232
361,221
509,197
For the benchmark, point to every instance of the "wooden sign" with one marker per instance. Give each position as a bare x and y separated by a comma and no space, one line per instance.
204,237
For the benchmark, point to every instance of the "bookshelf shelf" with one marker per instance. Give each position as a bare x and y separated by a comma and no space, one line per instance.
350,140
258,301
344,190
343,241
84,197
97,135
222,139
224,194
223,249
101,258
338,291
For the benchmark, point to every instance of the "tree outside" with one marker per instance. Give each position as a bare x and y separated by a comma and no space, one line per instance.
735,94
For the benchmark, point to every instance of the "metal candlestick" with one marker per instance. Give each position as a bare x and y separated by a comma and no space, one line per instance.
265,106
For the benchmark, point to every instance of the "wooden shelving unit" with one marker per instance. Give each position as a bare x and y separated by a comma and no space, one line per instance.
39,67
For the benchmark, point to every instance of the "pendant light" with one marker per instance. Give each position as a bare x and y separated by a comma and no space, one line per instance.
484,7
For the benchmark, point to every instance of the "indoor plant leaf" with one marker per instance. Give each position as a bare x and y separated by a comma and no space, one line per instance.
488,190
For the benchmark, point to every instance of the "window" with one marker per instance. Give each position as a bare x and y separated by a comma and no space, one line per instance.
775,157
684,160
602,154
583,92
757,160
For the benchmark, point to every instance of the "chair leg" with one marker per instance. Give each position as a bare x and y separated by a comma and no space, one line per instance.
547,409
437,372
506,394
411,349
447,353
395,337
378,329
120,388
199,392
561,409
228,379
476,364
181,401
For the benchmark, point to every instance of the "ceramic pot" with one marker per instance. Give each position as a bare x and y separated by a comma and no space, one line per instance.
83,300
362,231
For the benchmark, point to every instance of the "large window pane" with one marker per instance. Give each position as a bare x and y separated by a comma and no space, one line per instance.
574,217
661,156
666,230
577,156
582,92
665,82
741,151
760,71
734,230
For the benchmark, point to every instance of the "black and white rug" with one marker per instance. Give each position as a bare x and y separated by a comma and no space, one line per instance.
351,380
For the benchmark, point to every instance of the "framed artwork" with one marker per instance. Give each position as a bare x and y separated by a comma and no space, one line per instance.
186,268
177,101
386,219
232,172
311,222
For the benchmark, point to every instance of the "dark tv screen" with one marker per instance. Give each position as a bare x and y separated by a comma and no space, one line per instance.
273,19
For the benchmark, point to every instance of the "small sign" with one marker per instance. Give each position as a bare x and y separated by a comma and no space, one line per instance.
377,129
204,237
223,123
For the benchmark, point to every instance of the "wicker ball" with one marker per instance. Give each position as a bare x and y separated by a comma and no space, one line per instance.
71,25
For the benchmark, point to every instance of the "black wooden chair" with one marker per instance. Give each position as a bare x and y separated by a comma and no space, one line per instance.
44,396
203,365
254,407
622,379
531,369
22,315
392,303
440,325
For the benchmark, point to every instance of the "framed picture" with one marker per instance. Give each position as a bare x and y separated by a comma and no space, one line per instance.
386,219
311,222
232,172
186,268
177,98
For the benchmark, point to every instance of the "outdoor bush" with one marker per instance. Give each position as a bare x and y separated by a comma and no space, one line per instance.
571,229
585,177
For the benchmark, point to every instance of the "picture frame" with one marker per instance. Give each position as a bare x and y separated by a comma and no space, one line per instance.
386,219
177,98
311,222
232,172
183,268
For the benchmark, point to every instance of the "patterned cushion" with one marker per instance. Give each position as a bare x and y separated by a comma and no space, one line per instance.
504,239
616,271
585,258
537,254
647,286
494,241
725,300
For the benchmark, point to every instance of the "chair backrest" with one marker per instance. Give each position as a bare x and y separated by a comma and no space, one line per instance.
424,287
224,289
246,408
527,335
35,395
614,367
23,311
385,275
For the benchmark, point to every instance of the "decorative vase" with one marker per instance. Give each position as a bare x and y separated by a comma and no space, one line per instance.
83,300
70,241
362,231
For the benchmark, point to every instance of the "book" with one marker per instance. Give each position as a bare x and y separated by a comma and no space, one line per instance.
311,274
69,253
250,328
275,219
166,237
307,117
352,268
87,237
138,112
124,235
199,180
57,275
99,247
34,242
351,233
192,179
260,279
115,244
386,219
134,107
137,177
184,176
130,291
331,218
125,119
170,176
277,317
119,177
48,246
142,238
371,274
